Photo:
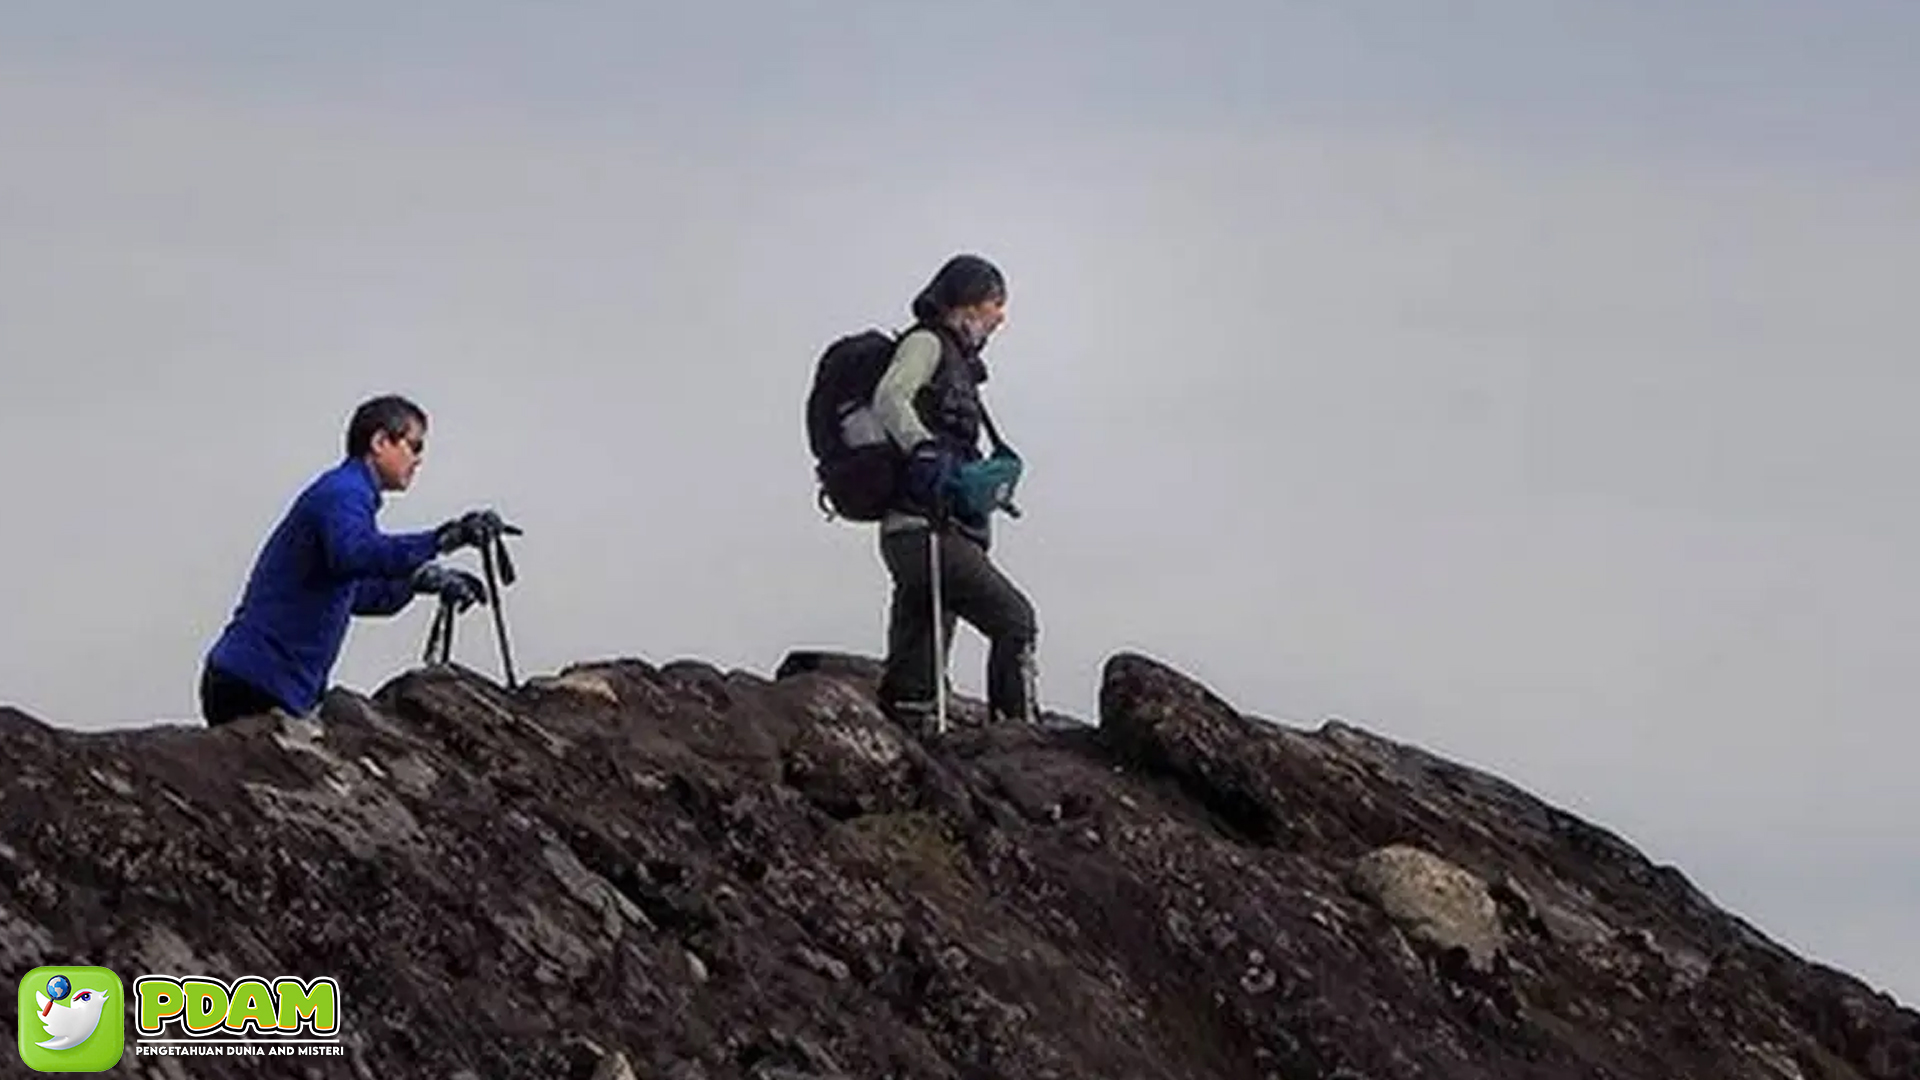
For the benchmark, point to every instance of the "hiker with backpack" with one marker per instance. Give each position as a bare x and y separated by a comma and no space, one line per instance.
896,424
326,562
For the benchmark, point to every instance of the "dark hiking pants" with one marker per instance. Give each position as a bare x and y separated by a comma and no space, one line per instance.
973,589
224,698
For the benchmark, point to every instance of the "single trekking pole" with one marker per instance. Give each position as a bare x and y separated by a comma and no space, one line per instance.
499,568
939,631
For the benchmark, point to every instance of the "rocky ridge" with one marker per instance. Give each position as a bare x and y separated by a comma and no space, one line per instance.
669,871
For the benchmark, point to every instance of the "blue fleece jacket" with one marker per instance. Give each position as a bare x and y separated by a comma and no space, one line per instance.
323,564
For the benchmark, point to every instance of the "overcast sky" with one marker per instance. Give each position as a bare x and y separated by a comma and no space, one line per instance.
1533,381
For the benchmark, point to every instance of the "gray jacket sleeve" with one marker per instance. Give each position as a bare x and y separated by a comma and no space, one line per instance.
914,361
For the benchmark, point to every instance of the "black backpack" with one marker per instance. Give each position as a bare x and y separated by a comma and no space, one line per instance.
855,462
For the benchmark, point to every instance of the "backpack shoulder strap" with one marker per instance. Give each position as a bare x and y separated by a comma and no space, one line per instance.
993,434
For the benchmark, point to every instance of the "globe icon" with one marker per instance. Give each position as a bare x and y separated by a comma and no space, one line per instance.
57,988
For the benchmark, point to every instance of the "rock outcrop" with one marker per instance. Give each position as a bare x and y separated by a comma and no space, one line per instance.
674,872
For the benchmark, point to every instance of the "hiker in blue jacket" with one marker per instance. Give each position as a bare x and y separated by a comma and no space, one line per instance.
326,562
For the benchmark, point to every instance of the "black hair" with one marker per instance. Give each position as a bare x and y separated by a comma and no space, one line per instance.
387,413
962,281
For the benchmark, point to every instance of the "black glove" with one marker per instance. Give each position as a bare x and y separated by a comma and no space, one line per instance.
930,473
475,529
458,587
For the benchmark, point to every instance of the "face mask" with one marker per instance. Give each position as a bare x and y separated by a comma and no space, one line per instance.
972,330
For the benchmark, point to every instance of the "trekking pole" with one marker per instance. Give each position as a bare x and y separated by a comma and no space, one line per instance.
494,557
939,631
440,635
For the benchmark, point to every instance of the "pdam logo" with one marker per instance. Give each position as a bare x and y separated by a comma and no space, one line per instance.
251,1016
72,1019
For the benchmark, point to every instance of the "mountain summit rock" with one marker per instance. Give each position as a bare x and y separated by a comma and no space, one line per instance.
630,869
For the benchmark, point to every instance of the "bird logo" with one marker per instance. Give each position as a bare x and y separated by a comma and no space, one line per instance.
70,1025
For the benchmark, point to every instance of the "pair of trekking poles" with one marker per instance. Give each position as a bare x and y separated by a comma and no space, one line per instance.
497,565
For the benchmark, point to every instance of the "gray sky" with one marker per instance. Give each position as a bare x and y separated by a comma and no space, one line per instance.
1531,381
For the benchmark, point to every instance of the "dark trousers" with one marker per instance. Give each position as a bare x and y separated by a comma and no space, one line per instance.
971,588
224,698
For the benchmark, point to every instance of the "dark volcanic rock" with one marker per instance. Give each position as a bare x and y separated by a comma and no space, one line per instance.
683,873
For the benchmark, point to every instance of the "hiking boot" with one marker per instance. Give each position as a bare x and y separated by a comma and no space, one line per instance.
917,717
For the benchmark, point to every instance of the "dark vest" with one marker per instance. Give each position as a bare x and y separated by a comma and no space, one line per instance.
949,403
